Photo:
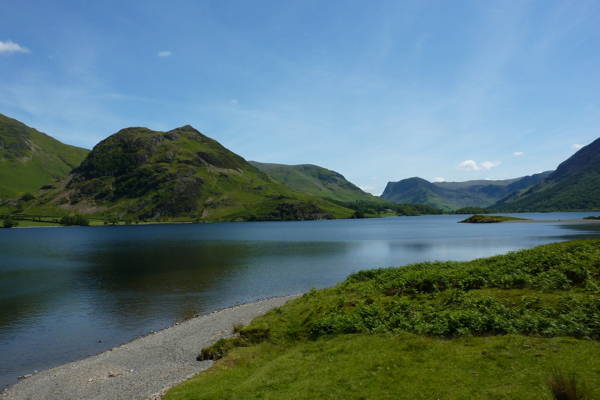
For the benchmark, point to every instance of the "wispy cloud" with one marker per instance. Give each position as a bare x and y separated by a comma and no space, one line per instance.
367,188
165,54
374,178
11,47
438,179
234,101
577,146
518,153
471,165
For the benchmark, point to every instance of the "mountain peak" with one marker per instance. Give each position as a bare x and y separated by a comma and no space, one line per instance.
185,128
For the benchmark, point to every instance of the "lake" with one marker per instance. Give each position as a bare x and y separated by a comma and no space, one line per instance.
67,293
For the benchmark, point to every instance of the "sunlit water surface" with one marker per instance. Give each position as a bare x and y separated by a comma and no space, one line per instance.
63,290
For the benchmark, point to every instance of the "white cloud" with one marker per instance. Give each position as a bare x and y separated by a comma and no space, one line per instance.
518,153
164,54
471,165
374,178
234,101
577,146
367,188
438,179
10,47
489,164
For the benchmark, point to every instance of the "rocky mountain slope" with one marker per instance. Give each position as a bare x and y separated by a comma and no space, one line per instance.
575,185
141,174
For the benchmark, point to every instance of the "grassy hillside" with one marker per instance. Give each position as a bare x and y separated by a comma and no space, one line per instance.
574,186
490,328
30,159
140,174
316,181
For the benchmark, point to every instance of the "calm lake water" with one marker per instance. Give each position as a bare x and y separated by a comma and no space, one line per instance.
63,290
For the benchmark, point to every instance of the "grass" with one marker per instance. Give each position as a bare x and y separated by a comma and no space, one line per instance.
406,366
489,328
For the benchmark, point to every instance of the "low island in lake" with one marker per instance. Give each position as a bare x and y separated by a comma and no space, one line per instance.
486,219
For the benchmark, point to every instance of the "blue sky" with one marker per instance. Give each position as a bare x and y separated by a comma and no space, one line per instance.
376,90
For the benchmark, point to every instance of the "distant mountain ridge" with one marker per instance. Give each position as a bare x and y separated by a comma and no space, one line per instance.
316,181
144,174
450,196
574,186
30,159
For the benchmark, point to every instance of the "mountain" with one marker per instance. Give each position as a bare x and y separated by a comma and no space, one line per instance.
575,185
138,173
417,191
30,159
316,181
450,196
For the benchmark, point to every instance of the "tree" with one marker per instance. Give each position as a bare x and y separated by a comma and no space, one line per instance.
358,214
76,219
27,197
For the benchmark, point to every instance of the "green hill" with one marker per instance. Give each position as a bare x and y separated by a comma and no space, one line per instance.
30,159
316,181
451,196
574,186
141,174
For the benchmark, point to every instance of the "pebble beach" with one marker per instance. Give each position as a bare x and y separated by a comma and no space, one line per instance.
144,368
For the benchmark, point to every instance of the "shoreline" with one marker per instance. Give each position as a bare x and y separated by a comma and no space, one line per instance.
145,367
587,221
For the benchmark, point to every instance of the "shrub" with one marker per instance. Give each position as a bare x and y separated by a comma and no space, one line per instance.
247,338
255,335
220,348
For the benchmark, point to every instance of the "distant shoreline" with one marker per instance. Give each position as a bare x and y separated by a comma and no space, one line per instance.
525,221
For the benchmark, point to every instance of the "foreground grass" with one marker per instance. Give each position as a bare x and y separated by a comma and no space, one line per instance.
406,366
489,328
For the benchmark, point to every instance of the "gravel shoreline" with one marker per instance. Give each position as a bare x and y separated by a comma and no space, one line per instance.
144,368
